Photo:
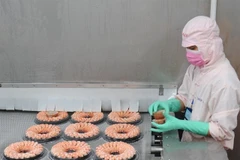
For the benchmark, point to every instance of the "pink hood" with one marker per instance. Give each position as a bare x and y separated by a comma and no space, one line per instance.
204,33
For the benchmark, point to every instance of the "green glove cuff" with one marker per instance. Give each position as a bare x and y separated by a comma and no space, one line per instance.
195,127
174,105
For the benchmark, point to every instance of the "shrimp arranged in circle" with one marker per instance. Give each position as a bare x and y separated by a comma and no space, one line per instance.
122,131
70,150
23,150
115,150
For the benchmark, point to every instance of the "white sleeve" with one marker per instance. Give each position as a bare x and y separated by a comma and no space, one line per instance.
184,88
224,107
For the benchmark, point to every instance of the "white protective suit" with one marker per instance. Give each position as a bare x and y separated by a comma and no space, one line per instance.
215,87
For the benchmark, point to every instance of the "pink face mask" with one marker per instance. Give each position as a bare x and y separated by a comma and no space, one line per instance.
195,57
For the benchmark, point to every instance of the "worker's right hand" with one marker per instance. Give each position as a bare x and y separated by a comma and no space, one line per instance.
171,105
157,106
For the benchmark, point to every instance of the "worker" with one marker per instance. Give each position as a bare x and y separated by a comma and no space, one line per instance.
210,91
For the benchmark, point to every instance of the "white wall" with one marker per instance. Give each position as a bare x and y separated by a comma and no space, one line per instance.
94,40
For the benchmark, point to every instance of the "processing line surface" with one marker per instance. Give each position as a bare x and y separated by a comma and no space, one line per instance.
15,123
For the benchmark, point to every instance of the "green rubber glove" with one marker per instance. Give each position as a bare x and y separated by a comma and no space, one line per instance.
172,123
172,105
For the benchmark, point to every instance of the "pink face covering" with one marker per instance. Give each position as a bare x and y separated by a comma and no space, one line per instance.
195,58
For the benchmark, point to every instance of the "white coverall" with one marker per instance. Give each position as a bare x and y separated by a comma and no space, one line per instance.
215,87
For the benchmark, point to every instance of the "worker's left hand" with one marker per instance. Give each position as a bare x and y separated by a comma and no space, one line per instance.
172,123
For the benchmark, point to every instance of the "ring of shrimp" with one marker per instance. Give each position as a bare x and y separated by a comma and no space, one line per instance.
70,150
115,150
122,131
43,132
23,150
82,130
124,117
45,117
90,117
